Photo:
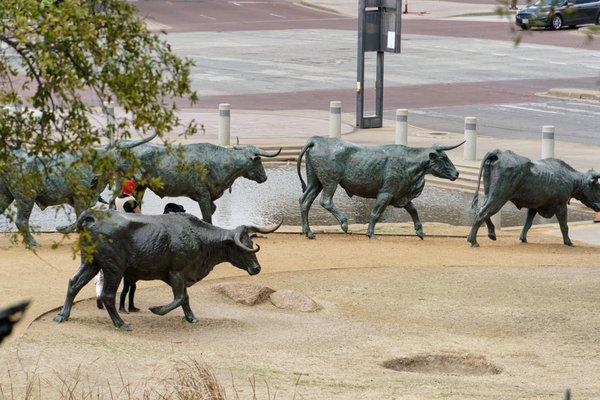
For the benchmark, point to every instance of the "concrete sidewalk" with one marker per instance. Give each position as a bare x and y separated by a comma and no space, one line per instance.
293,128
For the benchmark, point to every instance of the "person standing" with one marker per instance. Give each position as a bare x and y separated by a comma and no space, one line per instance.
126,203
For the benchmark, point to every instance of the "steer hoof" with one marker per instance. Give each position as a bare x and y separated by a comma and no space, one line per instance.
474,244
125,327
310,235
570,244
191,320
32,243
492,236
344,226
420,234
59,318
523,240
158,310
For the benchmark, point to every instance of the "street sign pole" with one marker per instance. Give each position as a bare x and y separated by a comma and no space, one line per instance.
379,28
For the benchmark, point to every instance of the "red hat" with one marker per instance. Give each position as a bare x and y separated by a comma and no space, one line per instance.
129,186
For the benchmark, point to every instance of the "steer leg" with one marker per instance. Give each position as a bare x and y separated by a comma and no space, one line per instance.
177,283
487,210
6,198
187,311
382,201
530,215
306,201
410,208
491,229
84,274
561,216
24,208
112,279
206,207
327,203
309,195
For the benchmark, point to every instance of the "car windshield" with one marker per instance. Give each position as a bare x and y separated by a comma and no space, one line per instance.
555,3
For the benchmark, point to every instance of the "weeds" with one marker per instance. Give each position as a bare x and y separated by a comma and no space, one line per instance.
190,380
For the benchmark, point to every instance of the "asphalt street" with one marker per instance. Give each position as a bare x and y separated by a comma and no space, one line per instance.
575,121
278,55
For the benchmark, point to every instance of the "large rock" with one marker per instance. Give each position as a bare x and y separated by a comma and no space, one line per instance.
291,300
245,293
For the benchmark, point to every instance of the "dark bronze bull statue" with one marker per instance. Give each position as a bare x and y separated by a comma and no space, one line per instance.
200,171
543,187
61,180
178,249
392,175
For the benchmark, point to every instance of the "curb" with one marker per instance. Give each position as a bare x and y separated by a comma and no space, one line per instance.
571,93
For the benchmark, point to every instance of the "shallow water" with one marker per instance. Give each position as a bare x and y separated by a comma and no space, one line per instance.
251,203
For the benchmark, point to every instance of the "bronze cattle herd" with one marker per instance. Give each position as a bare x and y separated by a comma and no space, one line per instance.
181,249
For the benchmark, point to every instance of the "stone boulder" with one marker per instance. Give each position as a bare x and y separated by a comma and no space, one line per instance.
291,300
245,293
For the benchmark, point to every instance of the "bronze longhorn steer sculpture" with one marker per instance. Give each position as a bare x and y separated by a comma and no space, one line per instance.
61,178
204,173
178,249
9,317
545,187
391,174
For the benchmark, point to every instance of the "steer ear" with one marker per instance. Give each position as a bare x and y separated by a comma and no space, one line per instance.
593,176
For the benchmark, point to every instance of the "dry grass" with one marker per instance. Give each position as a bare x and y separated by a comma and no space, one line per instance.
190,380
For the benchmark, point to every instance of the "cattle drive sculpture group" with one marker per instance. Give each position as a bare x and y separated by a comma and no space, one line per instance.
180,249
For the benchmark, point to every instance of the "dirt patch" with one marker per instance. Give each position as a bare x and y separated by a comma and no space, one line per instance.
448,364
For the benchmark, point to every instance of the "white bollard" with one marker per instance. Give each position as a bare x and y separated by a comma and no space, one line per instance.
497,220
547,141
335,119
224,124
470,149
109,108
402,126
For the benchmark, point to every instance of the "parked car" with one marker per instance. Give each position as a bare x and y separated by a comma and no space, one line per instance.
555,14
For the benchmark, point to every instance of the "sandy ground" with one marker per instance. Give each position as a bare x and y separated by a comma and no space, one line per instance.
530,311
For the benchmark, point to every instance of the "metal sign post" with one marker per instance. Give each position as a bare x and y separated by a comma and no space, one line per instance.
379,27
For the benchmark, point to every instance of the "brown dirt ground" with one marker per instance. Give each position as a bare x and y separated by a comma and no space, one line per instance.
529,310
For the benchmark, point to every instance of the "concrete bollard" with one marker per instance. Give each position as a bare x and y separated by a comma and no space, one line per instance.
497,220
109,108
547,141
402,126
335,119
470,149
224,124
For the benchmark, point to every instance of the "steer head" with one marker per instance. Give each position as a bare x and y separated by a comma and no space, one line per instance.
439,163
589,193
254,170
241,250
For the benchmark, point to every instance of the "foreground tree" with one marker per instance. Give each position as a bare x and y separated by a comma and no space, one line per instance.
61,63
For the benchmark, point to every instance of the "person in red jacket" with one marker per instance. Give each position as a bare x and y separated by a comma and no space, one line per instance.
126,203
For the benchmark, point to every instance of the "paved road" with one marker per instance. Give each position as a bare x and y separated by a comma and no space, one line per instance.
275,55
575,121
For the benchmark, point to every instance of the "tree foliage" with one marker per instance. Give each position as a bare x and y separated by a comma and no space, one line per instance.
61,63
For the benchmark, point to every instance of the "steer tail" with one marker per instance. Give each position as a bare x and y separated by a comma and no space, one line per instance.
485,163
299,161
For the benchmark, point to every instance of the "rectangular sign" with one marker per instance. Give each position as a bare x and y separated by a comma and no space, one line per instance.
391,40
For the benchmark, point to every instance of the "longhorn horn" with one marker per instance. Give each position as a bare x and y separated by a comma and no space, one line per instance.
137,143
237,140
238,243
594,174
439,147
269,229
263,153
